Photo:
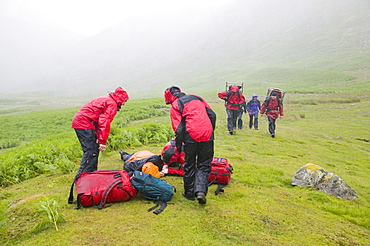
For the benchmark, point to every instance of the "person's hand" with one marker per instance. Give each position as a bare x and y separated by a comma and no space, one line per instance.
281,116
250,113
102,147
164,170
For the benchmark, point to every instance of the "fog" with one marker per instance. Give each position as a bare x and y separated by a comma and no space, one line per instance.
148,51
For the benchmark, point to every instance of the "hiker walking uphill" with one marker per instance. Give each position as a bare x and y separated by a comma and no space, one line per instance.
92,126
234,100
253,108
272,106
193,122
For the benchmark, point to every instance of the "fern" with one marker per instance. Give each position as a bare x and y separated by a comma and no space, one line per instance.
48,210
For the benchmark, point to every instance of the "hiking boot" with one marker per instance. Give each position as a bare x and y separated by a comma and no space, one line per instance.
191,198
201,197
124,155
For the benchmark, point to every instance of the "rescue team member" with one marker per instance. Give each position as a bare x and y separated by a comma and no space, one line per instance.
272,106
92,126
234,100
193,122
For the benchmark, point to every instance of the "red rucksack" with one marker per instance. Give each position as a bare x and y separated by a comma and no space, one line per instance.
220,173
100,187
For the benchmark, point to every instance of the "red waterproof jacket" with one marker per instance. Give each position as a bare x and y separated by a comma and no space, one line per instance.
233,98
98,114
272,108
171,156
193,120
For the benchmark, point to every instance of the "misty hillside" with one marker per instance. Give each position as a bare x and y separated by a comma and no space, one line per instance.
235,43
27,48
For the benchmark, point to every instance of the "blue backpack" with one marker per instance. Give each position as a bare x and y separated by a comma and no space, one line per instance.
153,189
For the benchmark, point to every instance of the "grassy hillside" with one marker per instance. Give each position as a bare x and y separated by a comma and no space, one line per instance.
259,206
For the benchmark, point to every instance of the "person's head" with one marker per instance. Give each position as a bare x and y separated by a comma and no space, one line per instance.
120,96
254,97
274,95
172,93
170,154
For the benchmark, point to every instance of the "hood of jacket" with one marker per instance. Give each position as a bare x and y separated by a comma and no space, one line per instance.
172,93
119,95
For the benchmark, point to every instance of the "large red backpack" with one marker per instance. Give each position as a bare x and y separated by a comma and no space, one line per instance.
220,173
100,187
280,93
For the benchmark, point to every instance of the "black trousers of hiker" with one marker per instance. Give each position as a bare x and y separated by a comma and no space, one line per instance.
232,115
240,120
90,147
272,125
197,167
253,121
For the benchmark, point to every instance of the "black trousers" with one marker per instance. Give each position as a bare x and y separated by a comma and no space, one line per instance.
232,115
90,147
272,125
253,120
240,120
197,166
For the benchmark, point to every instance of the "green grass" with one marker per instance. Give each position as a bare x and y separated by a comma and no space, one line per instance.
259,206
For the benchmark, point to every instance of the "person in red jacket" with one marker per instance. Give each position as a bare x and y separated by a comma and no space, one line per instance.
193,122
92,126
234,101
272,106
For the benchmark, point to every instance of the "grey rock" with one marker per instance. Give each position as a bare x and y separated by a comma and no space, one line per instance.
311,175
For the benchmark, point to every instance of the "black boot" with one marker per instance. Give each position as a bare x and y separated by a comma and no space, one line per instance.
124,155
201,197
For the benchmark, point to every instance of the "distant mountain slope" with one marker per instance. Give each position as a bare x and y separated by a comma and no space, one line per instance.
26,49
145,55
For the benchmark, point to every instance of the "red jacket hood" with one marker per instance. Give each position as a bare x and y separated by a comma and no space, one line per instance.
119,95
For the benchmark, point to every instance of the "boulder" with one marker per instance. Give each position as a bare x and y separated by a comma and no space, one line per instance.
312,175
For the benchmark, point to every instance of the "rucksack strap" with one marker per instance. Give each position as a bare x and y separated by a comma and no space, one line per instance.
162,205
105,194
70,198
220,188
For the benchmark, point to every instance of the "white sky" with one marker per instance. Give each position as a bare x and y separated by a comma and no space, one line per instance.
89,17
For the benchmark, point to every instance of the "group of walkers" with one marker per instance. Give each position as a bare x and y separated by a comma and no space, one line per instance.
236,105
193,123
